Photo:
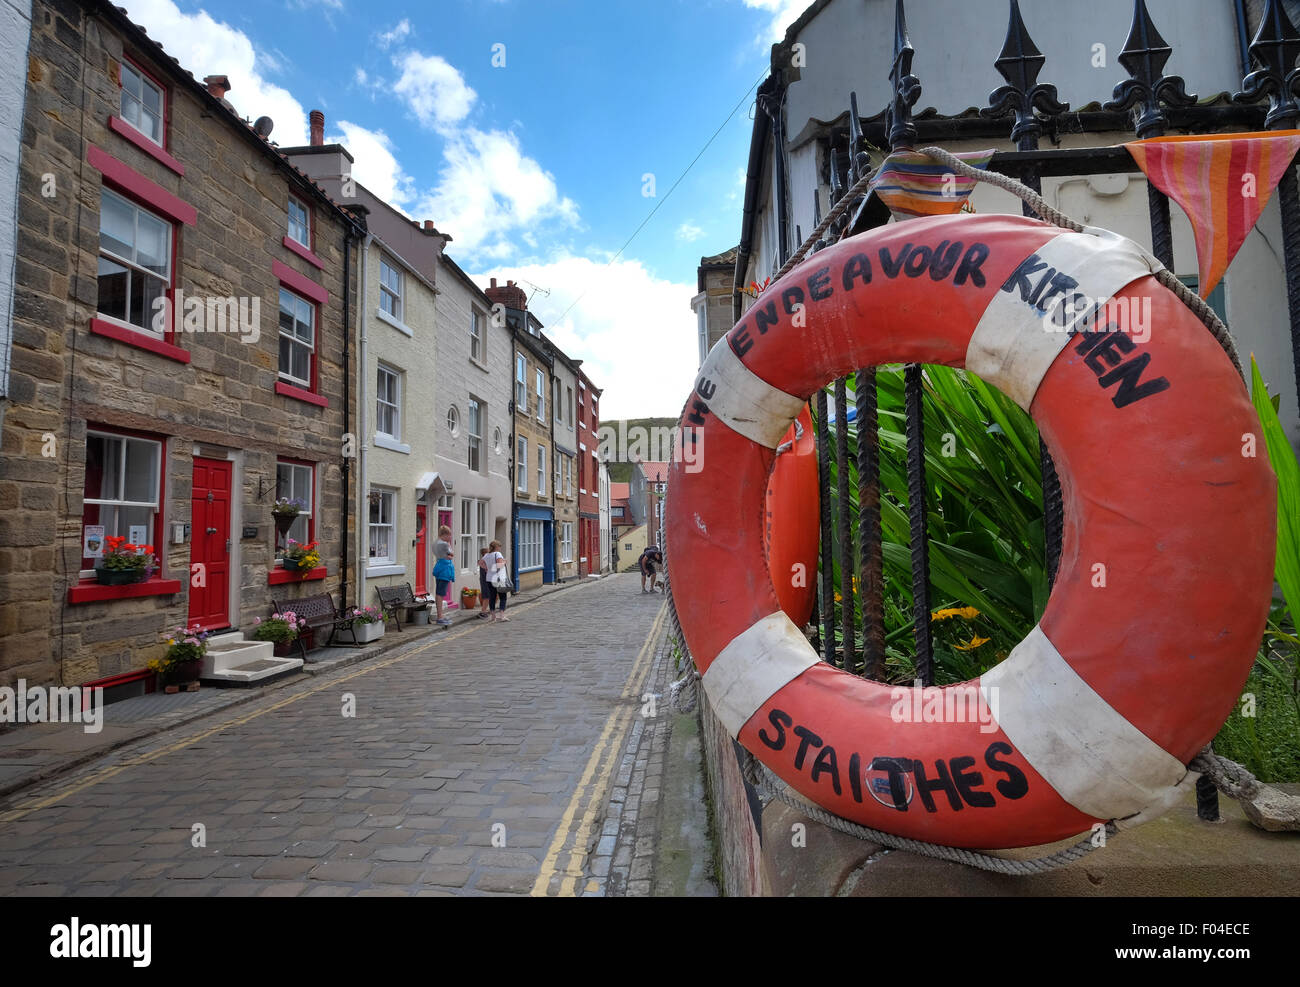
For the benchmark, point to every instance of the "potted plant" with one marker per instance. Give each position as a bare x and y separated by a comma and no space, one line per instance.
280,628
183,661
469,597
299,557
285,511
367,624
124,562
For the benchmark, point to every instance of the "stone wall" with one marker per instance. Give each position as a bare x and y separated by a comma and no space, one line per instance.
208,394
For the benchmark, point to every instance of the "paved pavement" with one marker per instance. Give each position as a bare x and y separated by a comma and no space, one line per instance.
475,761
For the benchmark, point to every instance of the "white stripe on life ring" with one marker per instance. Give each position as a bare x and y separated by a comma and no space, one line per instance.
757,664
742,400
1015,341
1094,758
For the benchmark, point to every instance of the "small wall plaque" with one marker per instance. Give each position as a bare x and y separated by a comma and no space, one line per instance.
249,531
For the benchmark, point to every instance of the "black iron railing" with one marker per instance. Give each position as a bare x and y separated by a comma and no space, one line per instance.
1148,103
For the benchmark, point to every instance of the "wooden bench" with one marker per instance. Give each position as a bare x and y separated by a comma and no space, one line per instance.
316,612
395,598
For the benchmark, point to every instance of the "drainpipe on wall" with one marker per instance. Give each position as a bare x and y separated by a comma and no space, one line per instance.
555,501
347,413
363,425
514,458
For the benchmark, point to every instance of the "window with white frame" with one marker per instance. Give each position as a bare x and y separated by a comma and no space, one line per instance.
475,423
143,103
388,403
531,537
295,481
390,288
477,344
568,478
473,533
569,395
541,396
299,222
521,466
383,526
560,459
135,263
297,337
566,541
121,492
557,409
541,470
521,385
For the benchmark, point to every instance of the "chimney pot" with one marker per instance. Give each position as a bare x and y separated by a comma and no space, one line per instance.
494,282
317,128
428,225
218,85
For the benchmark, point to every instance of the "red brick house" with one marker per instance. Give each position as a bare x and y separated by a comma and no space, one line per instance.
180,346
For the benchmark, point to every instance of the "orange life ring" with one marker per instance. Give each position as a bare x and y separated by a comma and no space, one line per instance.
1166,566
791,529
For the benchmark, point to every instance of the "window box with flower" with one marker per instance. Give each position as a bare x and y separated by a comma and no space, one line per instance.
125,562
299,557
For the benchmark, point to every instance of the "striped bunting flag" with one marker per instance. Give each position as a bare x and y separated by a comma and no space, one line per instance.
1222,181
913,184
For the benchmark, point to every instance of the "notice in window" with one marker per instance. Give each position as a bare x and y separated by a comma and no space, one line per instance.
92,542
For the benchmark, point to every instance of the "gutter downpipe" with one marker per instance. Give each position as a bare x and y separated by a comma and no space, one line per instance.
753,175
348,234
363,426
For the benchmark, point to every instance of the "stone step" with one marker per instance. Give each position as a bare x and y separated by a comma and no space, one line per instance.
217,640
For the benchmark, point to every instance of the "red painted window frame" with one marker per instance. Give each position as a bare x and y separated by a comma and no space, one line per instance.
138,64
309,291
306,252
153,198
315,493
89,590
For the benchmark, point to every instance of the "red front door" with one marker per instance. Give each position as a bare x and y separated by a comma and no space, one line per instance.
421,586
210,544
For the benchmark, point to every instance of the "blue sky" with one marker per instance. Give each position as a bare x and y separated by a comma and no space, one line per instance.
536,167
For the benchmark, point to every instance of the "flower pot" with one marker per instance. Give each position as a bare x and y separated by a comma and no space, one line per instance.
283,522
469,598
420,616
185,671
368,632
296,565
284,649
120,577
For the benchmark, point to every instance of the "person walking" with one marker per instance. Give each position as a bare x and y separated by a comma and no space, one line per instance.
498,579
484,584
444,571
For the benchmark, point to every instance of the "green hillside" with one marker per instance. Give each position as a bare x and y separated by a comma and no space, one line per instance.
654,443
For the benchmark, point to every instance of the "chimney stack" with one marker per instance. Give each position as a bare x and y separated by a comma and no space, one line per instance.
218,85
428,225
317,128
511,296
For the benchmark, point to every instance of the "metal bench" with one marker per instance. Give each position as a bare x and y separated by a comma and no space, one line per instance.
316,611
395,598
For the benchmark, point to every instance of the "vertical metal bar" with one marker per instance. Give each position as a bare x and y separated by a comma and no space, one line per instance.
845,525
828,560
871,571
916,514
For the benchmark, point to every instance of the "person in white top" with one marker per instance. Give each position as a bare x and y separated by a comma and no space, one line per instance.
497,572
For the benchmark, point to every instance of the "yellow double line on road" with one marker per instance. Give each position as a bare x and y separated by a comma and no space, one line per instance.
595,777
329,683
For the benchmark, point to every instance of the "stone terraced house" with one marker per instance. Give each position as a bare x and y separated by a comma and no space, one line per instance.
181,320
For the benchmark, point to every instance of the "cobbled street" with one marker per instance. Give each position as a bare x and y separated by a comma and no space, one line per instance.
477,761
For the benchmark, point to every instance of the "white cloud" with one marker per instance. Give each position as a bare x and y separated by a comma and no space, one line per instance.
489,190
634,332
784,13
689,232
399,31
433,89
376,166
205,46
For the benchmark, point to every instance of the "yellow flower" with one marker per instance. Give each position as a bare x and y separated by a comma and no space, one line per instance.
965,613
171,640
974,643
